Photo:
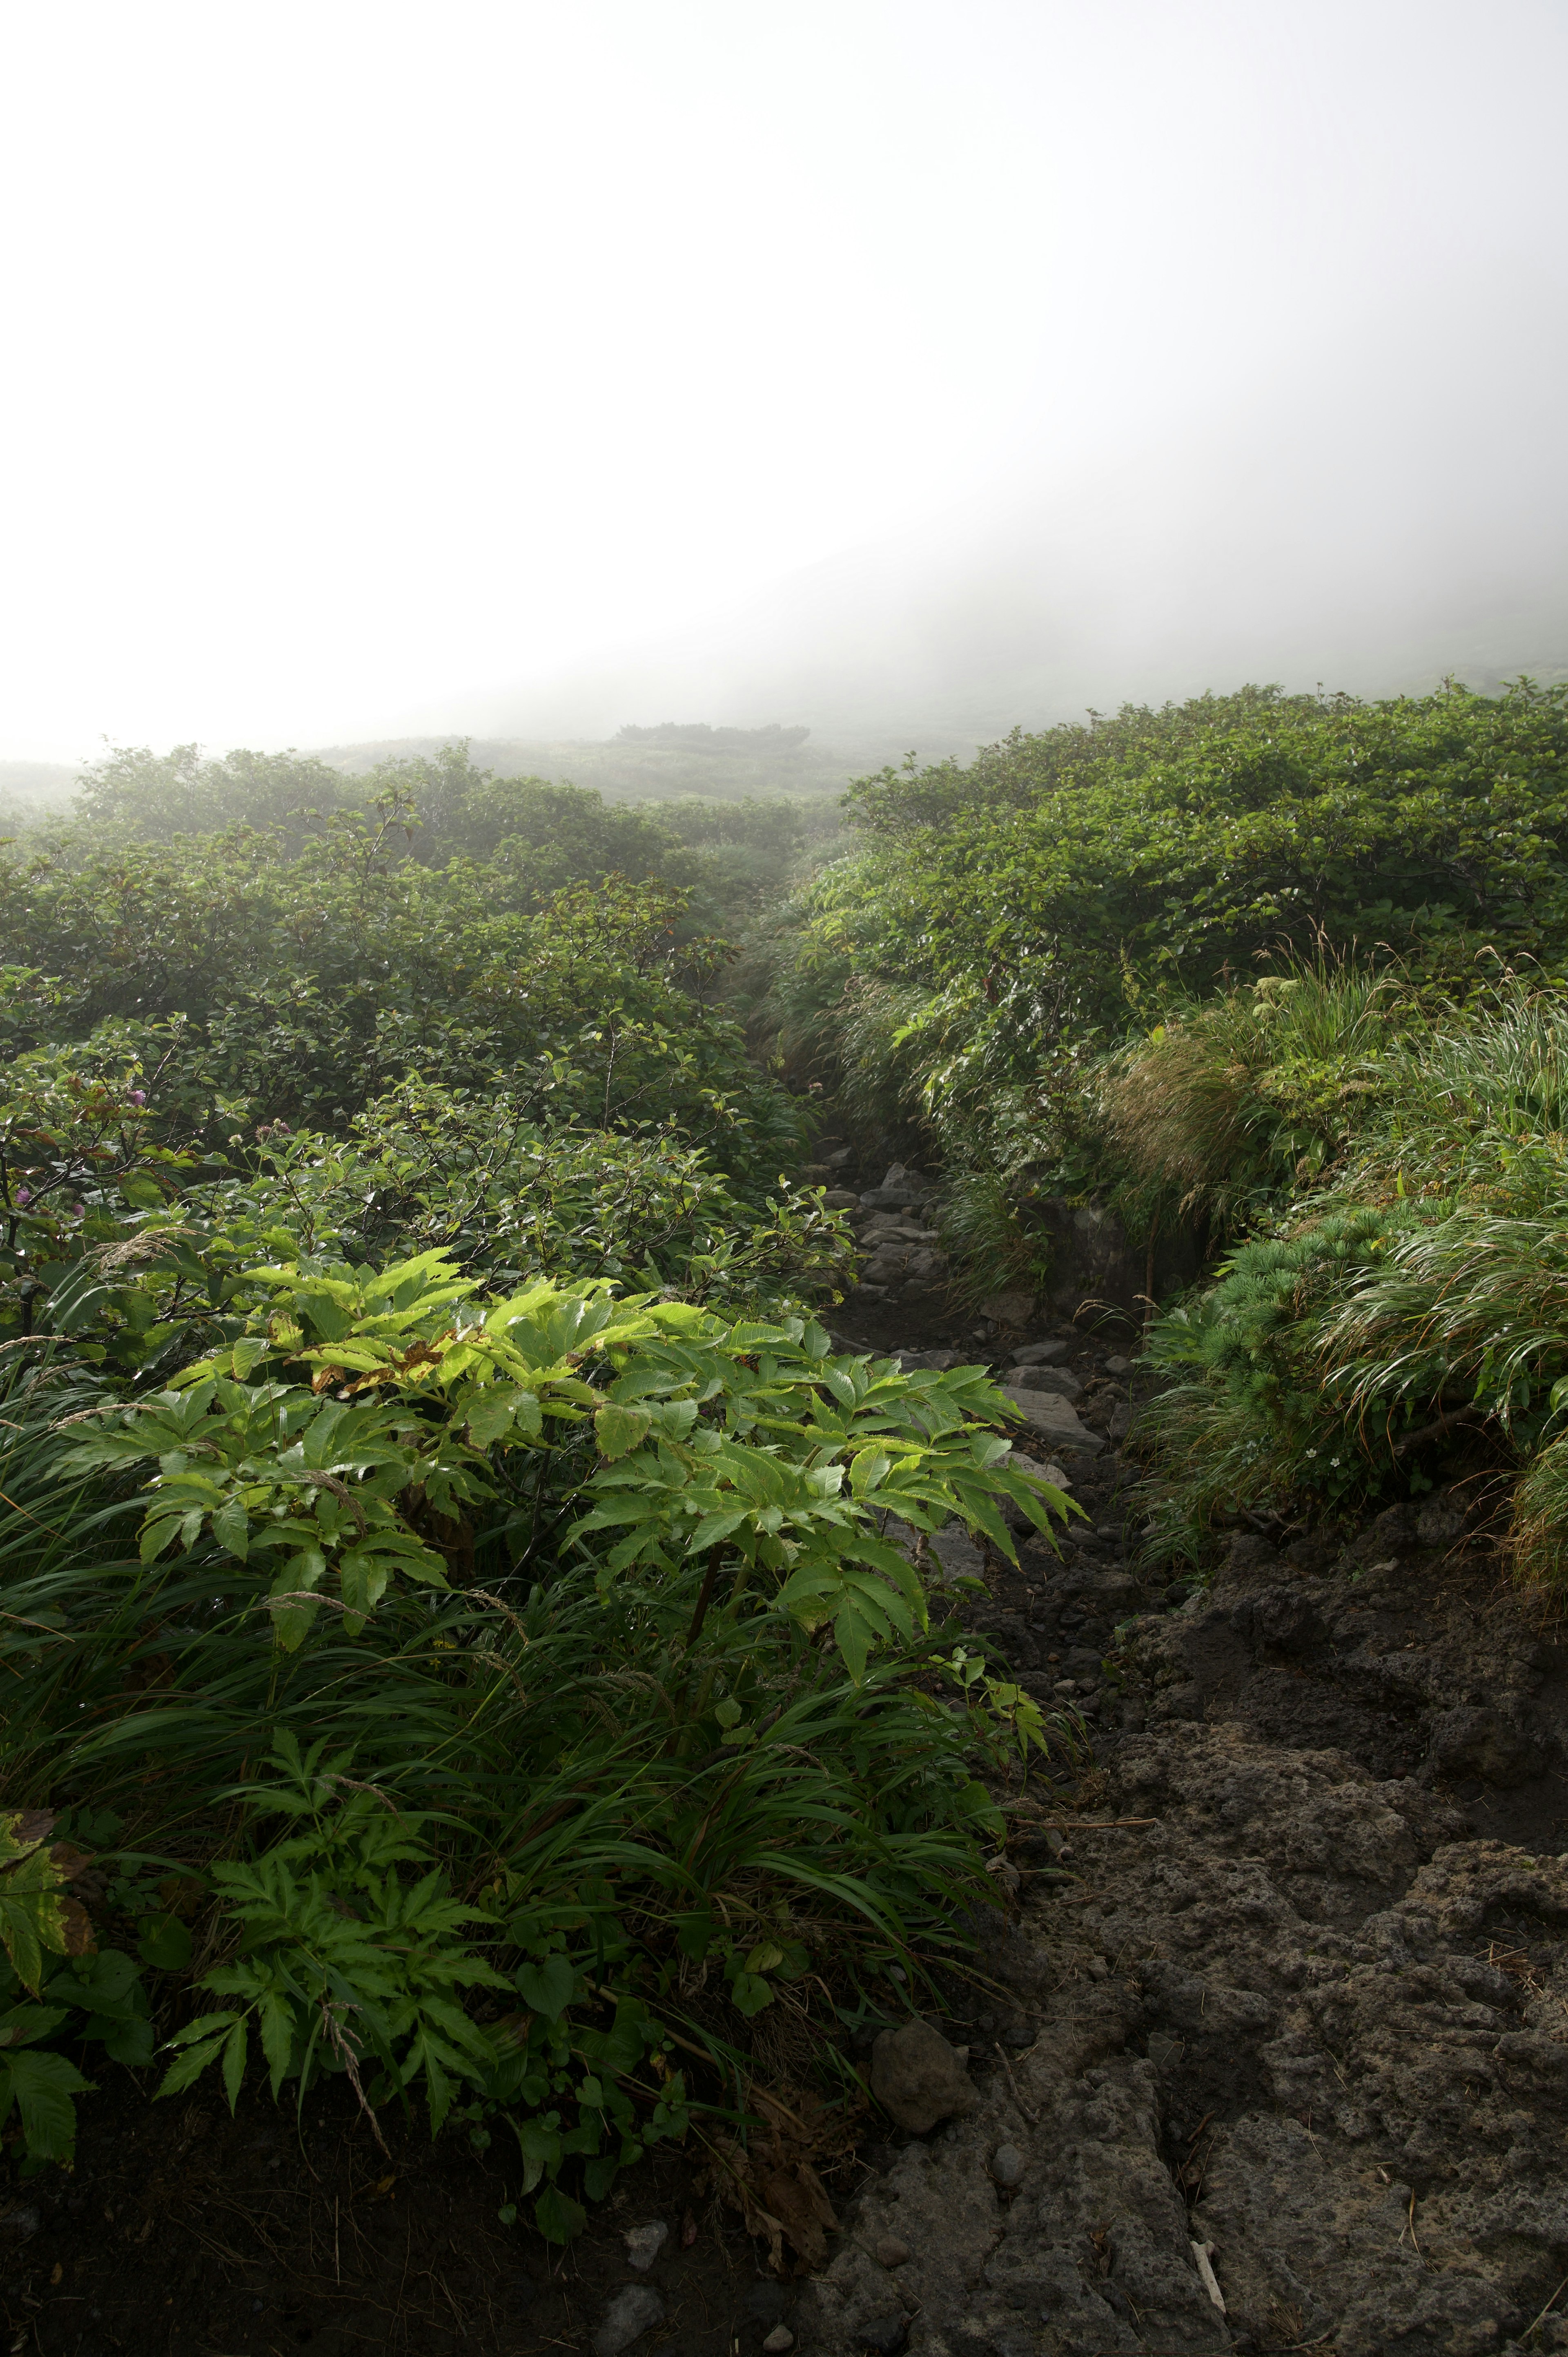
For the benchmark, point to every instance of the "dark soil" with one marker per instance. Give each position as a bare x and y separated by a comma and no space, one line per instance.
183,2232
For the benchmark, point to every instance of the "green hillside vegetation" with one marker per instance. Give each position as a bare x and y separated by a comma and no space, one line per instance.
731,857
1285,973
453,1635
461,1629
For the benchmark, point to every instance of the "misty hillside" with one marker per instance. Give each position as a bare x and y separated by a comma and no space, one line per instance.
668,759
27,787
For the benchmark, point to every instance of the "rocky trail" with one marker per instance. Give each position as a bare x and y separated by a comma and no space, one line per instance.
1278,2054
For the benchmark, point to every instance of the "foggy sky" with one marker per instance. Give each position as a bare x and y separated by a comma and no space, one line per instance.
940,363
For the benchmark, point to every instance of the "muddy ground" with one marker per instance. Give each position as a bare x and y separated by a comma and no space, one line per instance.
1281,1984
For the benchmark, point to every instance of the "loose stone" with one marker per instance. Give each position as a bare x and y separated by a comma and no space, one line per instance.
643,2244
631,2313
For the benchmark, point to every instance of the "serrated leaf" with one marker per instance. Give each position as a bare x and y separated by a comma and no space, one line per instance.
231,1528
619,1430
42,2086
187,2068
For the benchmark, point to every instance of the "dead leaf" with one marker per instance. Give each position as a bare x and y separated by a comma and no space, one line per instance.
77,1925
774,2183
796,2198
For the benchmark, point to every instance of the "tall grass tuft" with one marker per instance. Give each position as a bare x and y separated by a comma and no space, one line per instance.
1233,1101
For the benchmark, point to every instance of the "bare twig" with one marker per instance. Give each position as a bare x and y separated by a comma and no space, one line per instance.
348,2055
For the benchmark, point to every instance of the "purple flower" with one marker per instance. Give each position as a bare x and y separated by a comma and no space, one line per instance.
23,1194
138,1096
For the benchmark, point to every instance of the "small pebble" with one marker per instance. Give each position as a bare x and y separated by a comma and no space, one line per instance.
643,2244
1007,2163
890,2251
779,2340
1098,1969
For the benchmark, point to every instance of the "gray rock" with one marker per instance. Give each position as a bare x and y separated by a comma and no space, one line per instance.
1118,1366
1047,1379
1289,1955
957,1553
840,1198
1041,1354
631,2313
884,2335
892,2252
1438,1523
1009,1309
917,2078
1054,1418
778,2340
1007,2165
643,2244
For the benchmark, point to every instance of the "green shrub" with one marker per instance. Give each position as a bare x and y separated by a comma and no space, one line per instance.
86,1997
1245,1415
598,1595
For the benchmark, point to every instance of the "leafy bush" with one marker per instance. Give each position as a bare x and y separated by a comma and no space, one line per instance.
341,1961
602,1597
40,2000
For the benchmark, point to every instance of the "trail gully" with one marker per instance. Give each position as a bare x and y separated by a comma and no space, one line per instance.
1279,2053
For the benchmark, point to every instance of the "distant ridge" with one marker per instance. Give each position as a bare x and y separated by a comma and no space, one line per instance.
665,759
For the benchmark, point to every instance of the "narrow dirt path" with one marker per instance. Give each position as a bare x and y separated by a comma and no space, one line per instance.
1282,1987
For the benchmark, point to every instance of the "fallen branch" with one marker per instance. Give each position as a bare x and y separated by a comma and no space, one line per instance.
1464,1416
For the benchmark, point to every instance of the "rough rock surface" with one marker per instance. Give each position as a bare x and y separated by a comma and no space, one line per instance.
631,2313
1285,1982
1054,1418
917,2078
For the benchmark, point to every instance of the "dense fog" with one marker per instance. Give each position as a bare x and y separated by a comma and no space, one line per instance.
901,371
